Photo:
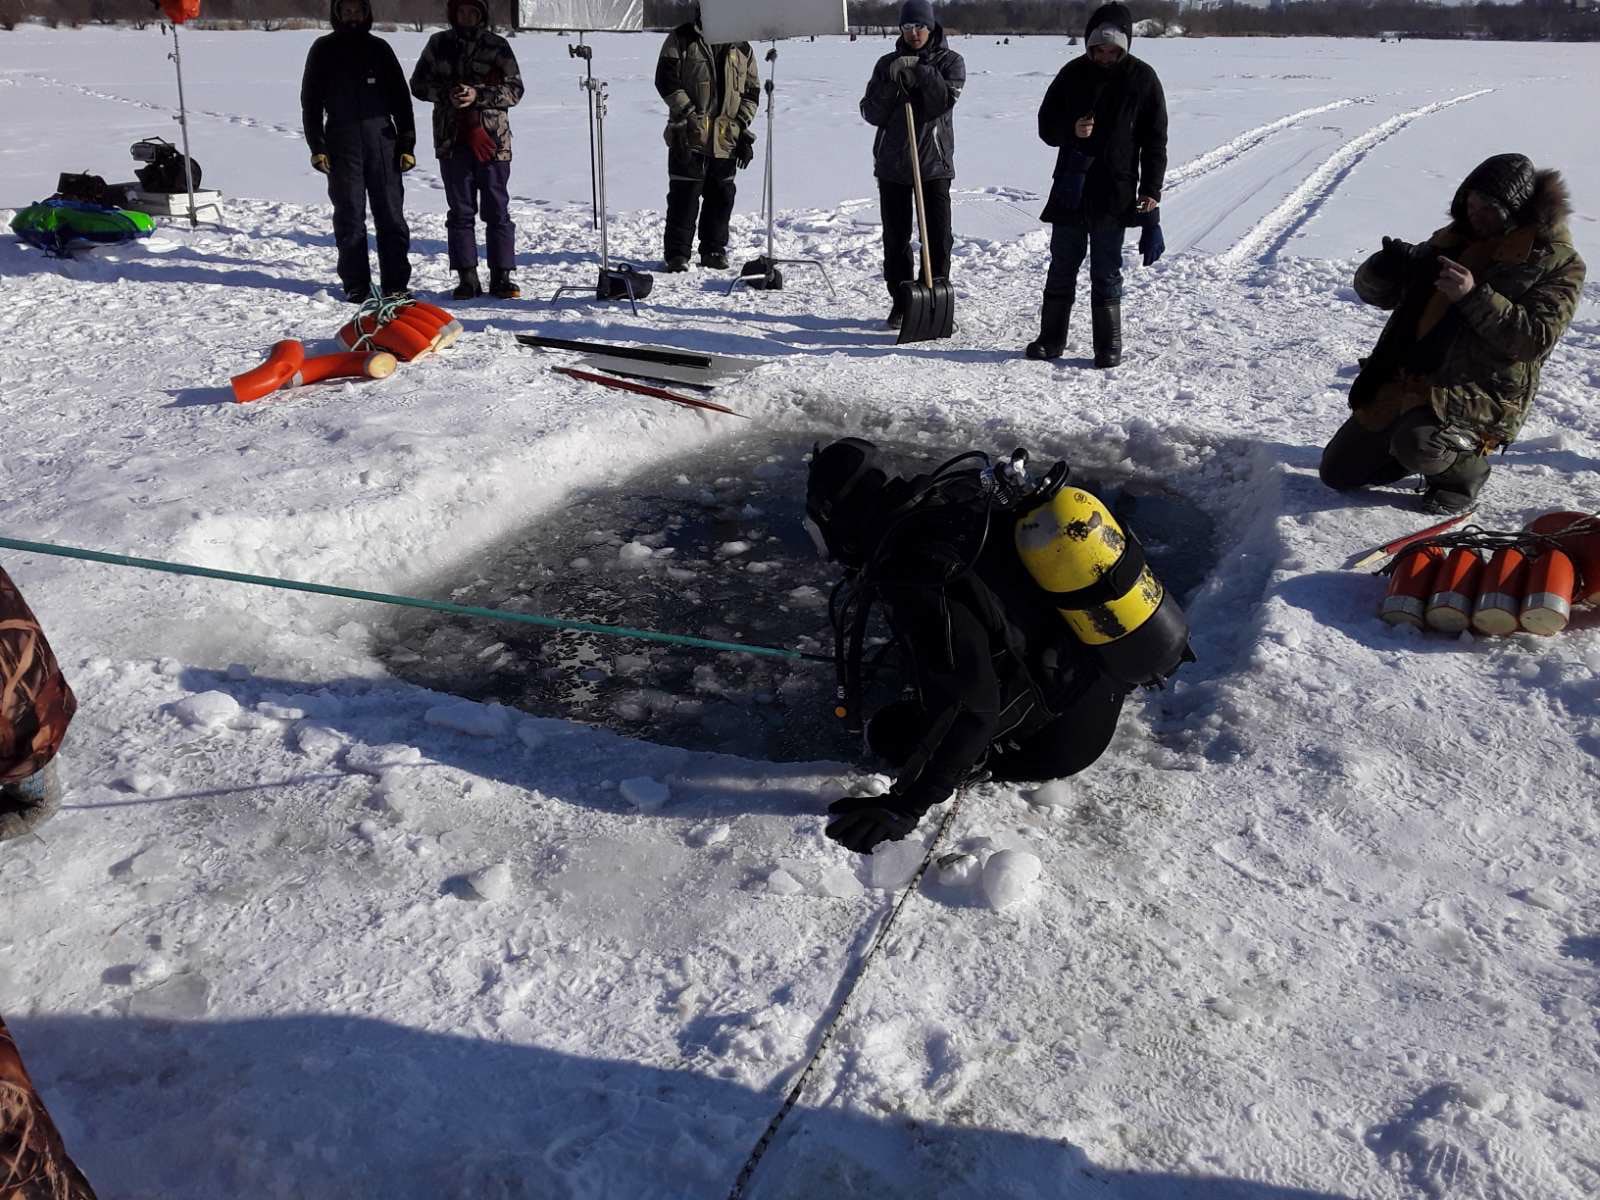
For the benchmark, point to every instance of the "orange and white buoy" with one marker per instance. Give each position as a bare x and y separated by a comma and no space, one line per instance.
1454,589
1582,545
352,364
1410,585
1499,604
1548,604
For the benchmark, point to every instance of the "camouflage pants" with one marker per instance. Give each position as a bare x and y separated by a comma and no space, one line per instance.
29,803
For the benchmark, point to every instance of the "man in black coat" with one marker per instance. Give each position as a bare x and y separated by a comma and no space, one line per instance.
357,118
999,683
1107,114
924,72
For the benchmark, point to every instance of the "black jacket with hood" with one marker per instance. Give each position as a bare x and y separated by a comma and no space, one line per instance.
941,74
1128,150
352,76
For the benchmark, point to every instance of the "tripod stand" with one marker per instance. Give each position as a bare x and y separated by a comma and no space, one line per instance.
624,281
762,273
587,54
183,124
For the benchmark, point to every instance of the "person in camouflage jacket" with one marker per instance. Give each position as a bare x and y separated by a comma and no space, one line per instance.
713,94
36,705
1477,309
34,1165
470,76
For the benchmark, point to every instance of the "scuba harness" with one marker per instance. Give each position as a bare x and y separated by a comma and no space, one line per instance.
1081,561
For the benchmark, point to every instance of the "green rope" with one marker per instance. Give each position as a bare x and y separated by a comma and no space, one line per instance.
459,610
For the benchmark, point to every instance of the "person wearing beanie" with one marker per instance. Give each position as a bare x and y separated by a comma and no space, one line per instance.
471,77
1106,114
358,123
1475,310
712,95
925,73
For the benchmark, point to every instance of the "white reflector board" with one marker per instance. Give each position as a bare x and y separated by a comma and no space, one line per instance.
588,15
769,20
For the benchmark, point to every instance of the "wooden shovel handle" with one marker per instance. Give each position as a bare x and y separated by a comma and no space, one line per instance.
916,183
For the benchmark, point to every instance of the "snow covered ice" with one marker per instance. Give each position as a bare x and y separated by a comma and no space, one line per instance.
1322,923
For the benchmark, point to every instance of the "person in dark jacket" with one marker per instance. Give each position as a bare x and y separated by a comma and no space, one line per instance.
999,685
471,77
1108,115
358,123
924,72
1477,309
713,94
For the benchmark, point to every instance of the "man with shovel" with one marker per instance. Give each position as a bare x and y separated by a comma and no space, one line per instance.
924,74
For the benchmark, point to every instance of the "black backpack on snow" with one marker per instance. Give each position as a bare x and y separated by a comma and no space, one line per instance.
165,172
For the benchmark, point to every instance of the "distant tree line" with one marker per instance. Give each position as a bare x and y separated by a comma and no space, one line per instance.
1529,20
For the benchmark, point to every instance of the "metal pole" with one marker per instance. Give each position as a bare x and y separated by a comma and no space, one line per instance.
599,95
183,124
772,184
594,195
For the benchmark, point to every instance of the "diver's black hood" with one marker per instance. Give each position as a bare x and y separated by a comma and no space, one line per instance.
362,26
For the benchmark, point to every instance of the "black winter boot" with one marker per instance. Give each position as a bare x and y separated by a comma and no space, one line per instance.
1053,319
470,287
1456,488
1107,322
503,287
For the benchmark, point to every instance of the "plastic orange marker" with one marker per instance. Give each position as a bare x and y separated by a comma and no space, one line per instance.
1548,605
1410,584
1583,549
282,362
352,364
1500,593
1454,589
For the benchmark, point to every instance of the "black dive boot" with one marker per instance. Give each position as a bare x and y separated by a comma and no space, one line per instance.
1053,318
1107,322
470,287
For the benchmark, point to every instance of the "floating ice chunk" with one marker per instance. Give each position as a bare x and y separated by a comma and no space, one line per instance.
781,883
580,563
318,741
1055,794
644,793
375,760
471,718
1009,877
838,882
958,870
634,552
207,710
491,883
713,835
807,596
367,831
280,712
892,864
730,549
875,785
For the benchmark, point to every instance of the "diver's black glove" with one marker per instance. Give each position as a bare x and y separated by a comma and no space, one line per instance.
861,822
1397,255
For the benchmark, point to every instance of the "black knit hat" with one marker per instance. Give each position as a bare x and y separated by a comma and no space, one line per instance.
1507,179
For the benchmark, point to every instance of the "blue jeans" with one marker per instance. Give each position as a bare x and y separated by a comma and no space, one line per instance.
29,803
1069,243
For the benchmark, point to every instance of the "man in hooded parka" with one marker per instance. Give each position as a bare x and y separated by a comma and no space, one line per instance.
1107,114
1476,310
358,123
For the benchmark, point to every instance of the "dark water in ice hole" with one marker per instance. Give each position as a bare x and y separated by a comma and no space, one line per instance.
710,545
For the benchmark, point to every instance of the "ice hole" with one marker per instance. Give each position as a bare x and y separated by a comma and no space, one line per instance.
711,546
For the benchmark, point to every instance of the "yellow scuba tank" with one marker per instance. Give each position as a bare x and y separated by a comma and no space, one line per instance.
1097,577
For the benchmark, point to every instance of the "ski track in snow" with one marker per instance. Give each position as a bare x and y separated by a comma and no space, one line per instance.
1269,235
1221,156
1322,918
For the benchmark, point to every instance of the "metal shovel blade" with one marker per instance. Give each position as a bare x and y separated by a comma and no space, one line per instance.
930,312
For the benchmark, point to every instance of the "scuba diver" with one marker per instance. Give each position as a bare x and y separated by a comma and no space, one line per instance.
1022,616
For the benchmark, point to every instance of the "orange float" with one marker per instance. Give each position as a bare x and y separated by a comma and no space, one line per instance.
351,364
1547,607
1453,591
1410,585
1499,603
285,358
1582,545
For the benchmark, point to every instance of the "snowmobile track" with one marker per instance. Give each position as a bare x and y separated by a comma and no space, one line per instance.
1237,147
1268,236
